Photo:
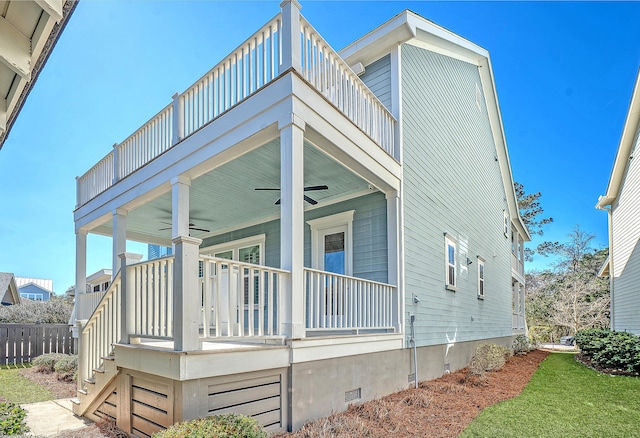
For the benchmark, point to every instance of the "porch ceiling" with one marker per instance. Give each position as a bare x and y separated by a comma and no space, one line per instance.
224,198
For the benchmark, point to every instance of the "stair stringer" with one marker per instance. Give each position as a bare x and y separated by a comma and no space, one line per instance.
97,389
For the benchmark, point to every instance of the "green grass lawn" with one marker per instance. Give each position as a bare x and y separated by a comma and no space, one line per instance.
17,389
565,399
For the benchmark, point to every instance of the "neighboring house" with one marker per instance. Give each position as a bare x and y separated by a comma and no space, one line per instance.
8,289
36,289
157,251
322,224
622,201
29,29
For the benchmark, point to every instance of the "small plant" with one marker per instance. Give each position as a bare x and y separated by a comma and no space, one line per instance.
521,345
67,368
12,419
46,363
488,357
220,426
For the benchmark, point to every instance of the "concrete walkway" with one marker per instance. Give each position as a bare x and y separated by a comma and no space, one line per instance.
51,417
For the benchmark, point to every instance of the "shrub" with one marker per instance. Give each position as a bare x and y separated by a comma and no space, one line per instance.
46,363
220,426
67,367
488,357
608,349
12,419
521,345
591,340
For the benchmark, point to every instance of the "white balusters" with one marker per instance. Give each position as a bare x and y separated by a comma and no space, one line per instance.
340,302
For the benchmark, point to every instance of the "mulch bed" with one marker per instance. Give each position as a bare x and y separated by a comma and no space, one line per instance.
59,388
586,361
438,408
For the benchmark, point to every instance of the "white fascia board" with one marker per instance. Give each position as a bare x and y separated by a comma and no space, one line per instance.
52,7
15,49
3,114
497,130
621,162
408,27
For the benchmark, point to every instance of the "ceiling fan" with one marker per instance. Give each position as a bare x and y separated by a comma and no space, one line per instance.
306,189
191,227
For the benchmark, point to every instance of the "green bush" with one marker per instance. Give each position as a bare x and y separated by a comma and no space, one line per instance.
488,357
608,349
12,419
220,426
592,340
67,367
46,363
521,345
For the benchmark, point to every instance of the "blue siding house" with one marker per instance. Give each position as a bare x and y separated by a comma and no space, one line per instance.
345,217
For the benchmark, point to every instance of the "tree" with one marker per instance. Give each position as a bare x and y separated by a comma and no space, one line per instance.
582,298
56,310
530,212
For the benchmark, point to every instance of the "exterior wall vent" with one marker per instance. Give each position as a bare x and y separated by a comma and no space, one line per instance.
354,394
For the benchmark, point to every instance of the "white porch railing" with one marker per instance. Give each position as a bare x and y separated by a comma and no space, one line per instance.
87,303
150,287
331,76
337,302
239,299
100,332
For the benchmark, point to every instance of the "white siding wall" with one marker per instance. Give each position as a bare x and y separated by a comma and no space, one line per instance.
626,249
452,184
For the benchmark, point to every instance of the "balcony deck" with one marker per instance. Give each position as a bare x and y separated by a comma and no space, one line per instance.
261,60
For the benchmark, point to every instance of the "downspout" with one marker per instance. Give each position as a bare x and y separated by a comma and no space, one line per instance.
611,313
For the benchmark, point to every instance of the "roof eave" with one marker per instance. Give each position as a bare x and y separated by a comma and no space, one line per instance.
623,154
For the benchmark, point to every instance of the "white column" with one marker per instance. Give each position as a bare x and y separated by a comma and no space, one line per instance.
81,269
291,45
186,294
119,238
180,206
393,252
292,225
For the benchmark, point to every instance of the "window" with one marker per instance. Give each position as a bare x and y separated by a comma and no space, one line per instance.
31,296
506,223
450,262
96,288
480,278
105,285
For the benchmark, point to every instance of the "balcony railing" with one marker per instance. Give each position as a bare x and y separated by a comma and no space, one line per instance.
340,302
255,63
323,68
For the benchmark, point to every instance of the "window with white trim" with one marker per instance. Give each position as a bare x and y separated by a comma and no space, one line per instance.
450,245
480,277
507,228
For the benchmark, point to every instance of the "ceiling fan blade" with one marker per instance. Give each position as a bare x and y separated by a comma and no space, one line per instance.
199,229
313,188
164,229
265,188
309,200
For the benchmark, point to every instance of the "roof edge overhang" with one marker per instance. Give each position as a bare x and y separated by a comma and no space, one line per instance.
404,27
629,131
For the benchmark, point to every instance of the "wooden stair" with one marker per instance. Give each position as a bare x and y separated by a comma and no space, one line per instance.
96,389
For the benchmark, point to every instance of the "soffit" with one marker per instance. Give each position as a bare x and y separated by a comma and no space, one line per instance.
224,199
28,32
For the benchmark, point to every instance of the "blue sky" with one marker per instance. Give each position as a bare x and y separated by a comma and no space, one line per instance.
564,73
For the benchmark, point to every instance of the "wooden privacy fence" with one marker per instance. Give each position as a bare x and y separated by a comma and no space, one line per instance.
19,343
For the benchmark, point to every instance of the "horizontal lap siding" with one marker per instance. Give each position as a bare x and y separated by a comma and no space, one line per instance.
626,250
452,183
369,236
377,77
